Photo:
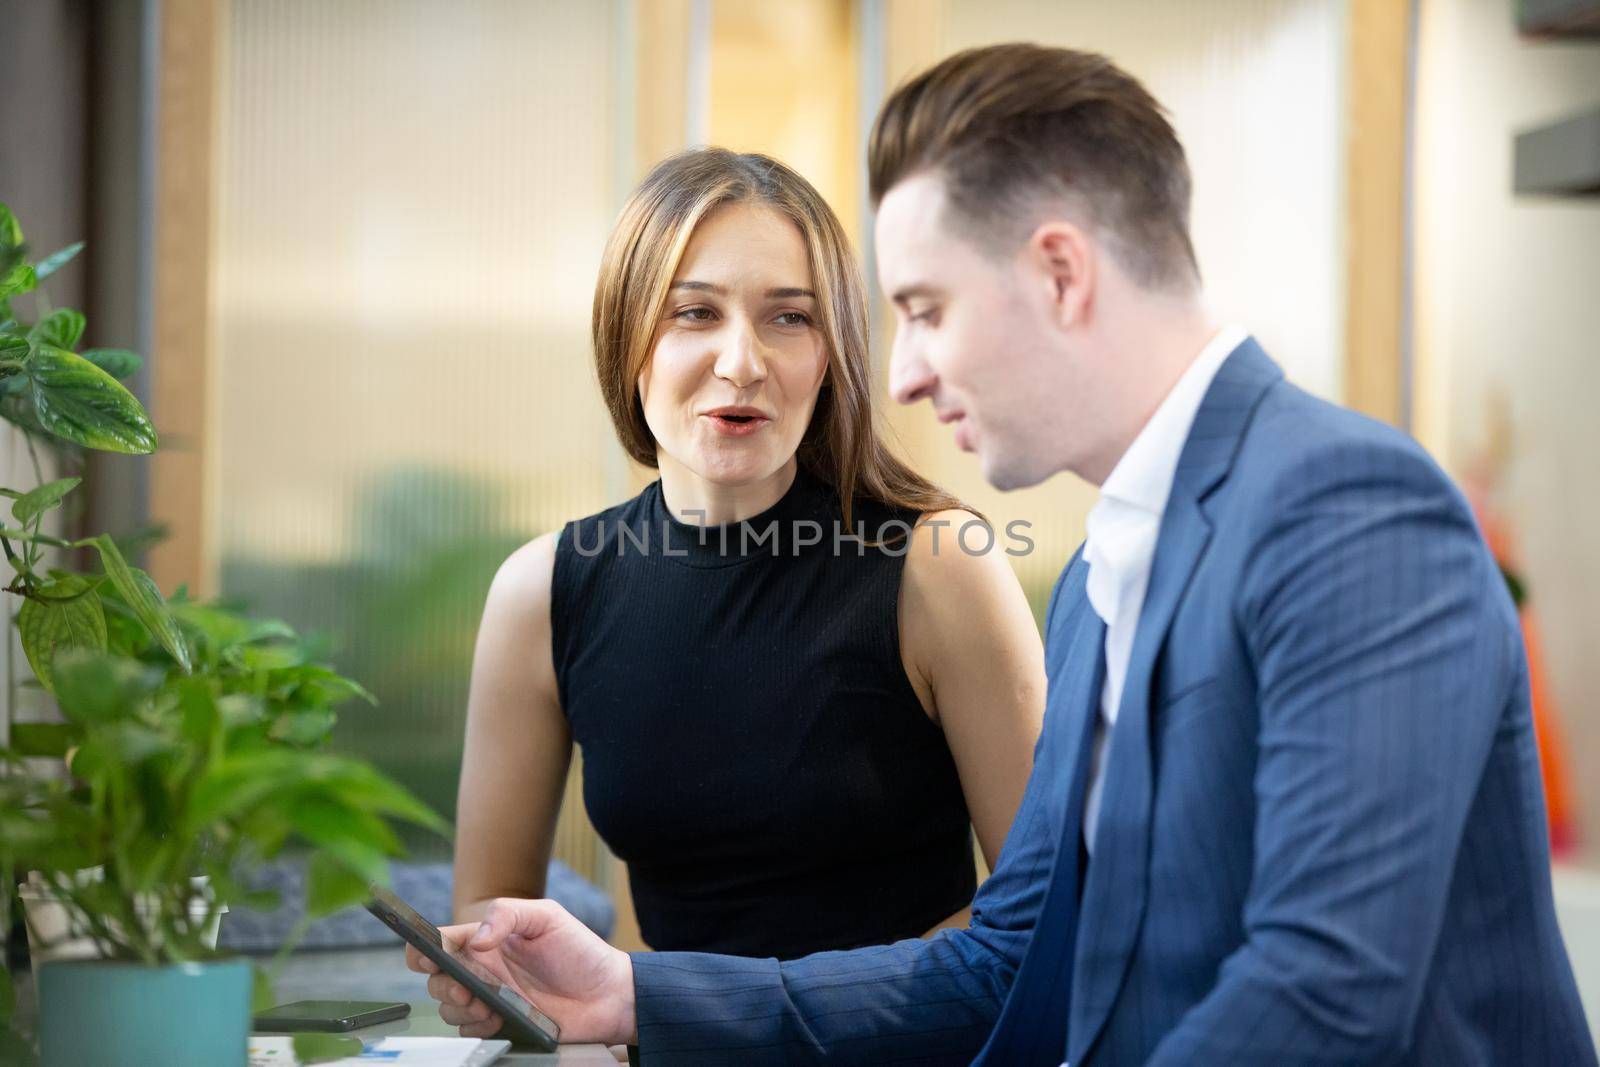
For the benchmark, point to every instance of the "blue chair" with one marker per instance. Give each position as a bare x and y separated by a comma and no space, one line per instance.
425,886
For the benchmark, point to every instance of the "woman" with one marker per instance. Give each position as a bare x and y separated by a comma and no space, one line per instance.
786,729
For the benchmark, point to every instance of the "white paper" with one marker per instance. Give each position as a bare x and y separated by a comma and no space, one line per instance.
277,1050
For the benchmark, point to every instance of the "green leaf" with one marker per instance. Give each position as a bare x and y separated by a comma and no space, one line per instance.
117,362
78,401
13,348
19,279
142,596
8,997
362,785
331,886
117,749
14,1050
323,1048
91,761
323,686
56,260
218,628
44,829
10,229
270,777
262,629
130,743
304,727
49,739
96,688
267,831
240,781
262,996
125,634
63,328
199,709
241,709
358,839
269,657
59,618
42,499
230,892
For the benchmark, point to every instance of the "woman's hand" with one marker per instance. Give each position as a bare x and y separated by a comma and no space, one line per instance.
538,949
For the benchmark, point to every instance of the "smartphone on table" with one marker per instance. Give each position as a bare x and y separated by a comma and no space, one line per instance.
333,1016
523,1023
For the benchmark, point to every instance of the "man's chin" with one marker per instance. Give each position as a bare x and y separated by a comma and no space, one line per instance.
1008,473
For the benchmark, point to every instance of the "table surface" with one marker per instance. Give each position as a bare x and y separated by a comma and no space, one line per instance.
380,974
371,974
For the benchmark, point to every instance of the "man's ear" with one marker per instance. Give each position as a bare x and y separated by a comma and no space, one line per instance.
1062,257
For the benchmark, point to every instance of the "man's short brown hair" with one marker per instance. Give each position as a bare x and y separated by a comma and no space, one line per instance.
1013,125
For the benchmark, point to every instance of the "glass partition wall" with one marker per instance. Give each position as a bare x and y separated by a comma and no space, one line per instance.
410,202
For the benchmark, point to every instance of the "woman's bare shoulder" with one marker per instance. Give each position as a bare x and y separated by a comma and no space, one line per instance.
954,555
521,587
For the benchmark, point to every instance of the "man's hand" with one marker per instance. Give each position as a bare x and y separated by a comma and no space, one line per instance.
551,959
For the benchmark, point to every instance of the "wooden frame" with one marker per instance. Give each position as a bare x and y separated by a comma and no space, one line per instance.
180,367
1377,251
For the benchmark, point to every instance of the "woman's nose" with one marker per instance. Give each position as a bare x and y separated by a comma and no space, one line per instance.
741,362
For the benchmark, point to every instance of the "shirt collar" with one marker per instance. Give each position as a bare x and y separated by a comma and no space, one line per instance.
1143,476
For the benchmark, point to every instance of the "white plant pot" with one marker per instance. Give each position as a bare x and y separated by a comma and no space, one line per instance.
49,927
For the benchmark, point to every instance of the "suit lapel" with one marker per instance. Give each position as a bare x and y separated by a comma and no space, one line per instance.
1117,885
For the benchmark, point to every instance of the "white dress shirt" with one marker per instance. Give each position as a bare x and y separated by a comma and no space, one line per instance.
1122,530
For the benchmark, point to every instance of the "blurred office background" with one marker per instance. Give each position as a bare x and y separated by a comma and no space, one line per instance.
357,240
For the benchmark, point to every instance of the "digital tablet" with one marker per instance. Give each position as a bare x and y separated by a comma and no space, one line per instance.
523,1023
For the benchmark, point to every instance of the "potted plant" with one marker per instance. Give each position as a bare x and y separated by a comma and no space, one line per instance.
189,746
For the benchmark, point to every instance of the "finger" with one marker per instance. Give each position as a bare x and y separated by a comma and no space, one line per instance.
447,990
416,961
487,1028
509,915
458,932
463,1015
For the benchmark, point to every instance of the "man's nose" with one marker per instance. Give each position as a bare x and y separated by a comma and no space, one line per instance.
910,377
742,360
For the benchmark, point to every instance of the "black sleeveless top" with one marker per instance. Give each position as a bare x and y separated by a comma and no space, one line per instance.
752,747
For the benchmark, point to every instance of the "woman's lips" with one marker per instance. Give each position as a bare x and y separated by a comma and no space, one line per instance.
736,425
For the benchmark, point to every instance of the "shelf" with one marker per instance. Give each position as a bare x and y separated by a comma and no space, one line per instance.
1562,158
1559,18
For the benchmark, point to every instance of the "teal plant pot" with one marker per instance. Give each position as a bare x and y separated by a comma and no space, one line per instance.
102,1013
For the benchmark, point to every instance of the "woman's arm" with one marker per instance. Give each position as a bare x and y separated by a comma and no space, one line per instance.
514,767
973,653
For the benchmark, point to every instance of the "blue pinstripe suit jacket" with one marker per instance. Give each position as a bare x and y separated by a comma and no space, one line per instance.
1322,839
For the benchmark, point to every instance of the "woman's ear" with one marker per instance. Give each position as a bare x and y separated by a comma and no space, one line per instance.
1062,259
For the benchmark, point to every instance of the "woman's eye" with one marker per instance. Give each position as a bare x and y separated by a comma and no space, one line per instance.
930,316
695,314
794,318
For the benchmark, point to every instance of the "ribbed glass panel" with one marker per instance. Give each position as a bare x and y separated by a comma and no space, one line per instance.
1255,88
412,199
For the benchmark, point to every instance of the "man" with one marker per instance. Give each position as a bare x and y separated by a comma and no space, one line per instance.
1286,807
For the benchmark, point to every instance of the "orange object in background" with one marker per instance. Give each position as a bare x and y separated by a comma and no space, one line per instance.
1552,756
1480,483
